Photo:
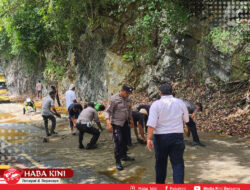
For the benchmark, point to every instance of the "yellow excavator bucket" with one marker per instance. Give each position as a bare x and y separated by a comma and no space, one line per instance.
4,98
2,78
3,89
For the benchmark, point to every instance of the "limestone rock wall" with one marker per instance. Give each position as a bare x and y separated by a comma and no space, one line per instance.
19,79
98,71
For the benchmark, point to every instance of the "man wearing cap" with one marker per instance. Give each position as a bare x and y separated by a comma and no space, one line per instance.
118,114
70,97
97,106
144,107
29,103
166,118
84,125
139,121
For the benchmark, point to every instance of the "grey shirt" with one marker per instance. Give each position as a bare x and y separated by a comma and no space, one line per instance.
119,109
190,106
88,115
46,105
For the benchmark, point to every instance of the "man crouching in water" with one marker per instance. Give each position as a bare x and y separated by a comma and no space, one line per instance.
84,125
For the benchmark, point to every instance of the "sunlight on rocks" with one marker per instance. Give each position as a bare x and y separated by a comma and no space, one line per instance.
227,168
228,144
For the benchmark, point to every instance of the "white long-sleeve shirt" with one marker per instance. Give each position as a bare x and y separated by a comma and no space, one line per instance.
70,96
167,115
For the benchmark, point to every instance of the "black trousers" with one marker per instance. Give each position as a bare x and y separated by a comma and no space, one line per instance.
192,127
120,138
70,121
39,94
58,99
46,118
127,131
146,127
91,130
172,146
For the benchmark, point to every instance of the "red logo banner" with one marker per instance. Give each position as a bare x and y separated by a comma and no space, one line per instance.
132,187
39,173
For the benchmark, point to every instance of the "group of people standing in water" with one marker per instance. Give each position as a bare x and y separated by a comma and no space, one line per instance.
159,126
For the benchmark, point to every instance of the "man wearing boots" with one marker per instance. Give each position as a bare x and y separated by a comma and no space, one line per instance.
118,114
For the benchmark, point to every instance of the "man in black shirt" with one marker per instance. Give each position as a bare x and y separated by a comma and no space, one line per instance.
145,107
74,111
57,95
139,120
192,109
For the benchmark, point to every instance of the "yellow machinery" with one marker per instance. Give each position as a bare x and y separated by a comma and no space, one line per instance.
2,78
3,90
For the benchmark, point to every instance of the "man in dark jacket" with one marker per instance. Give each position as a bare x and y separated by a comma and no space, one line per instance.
143,107
57,95
74,111
139,122
192,110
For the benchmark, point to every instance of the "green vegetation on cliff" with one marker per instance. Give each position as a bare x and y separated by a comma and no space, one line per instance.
156,22
45,33
31,29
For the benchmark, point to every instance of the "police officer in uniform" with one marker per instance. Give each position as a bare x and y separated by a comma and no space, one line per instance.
84,125
118,115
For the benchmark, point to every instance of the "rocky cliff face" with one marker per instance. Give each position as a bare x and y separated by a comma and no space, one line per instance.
195,55
98,71
20,79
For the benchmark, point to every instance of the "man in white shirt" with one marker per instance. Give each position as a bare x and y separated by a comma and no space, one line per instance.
70,97
166,117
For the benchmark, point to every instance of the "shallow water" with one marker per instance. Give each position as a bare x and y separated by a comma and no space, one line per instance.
6,116
13,135
63,127
136,178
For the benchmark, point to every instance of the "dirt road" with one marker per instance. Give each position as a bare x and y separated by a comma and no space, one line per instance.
224,159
